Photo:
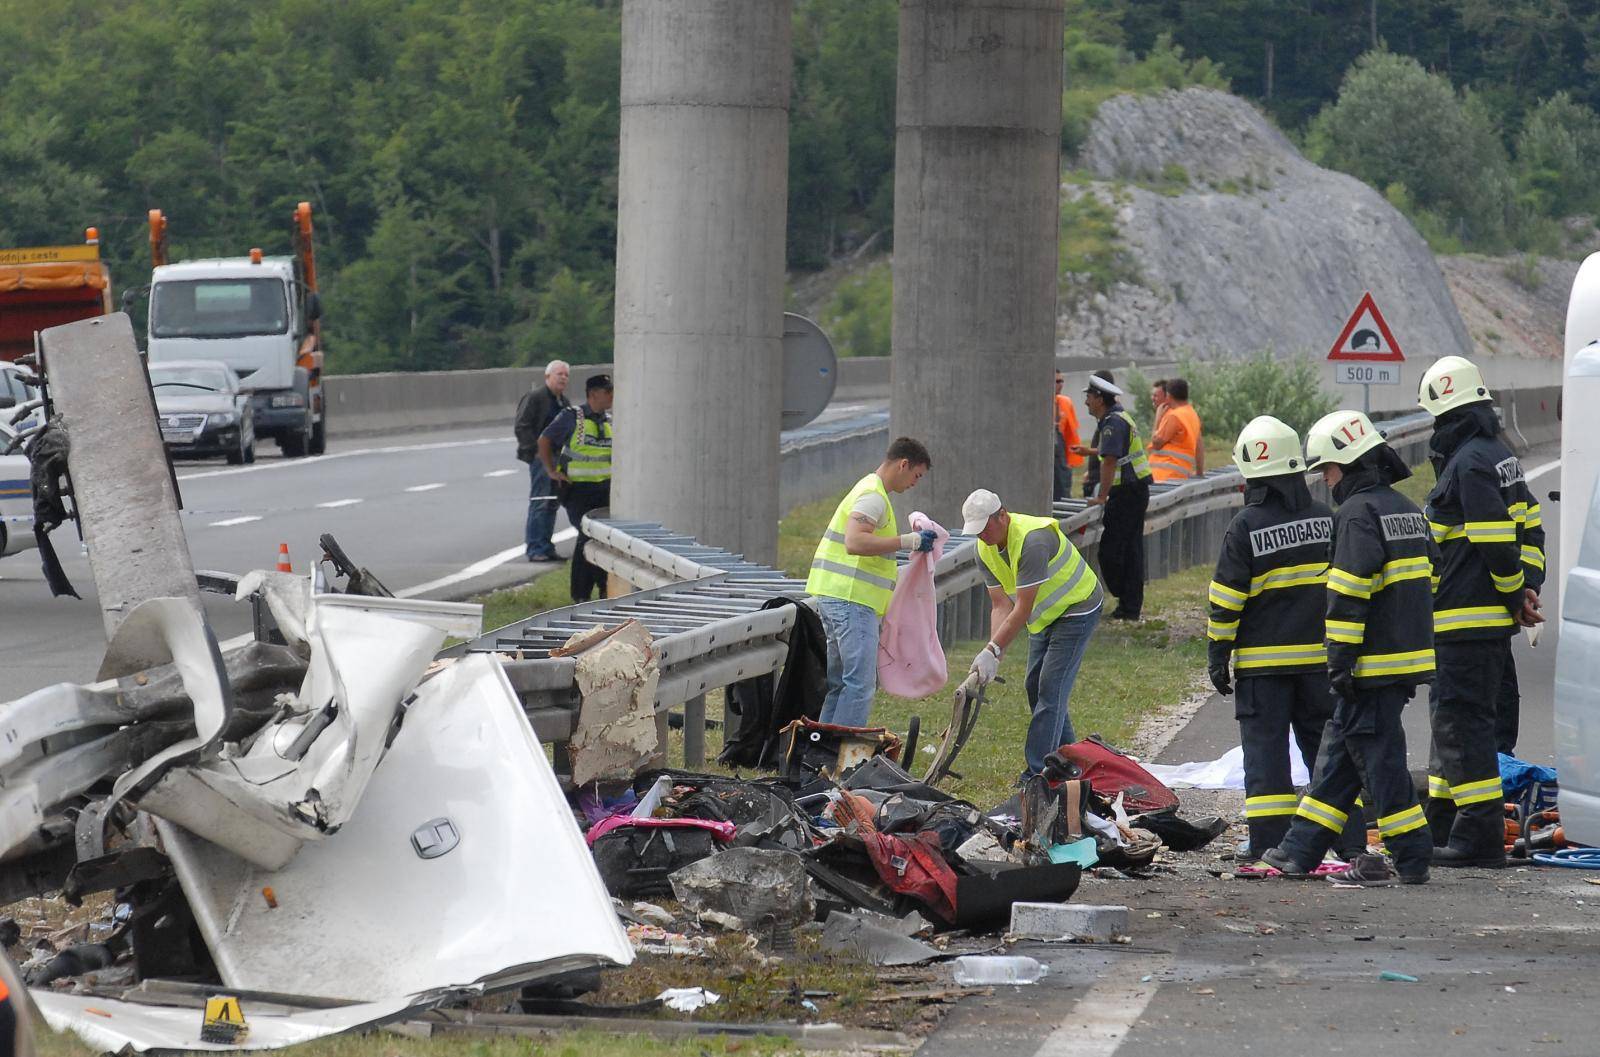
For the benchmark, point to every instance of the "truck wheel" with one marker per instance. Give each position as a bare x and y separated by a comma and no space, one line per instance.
293,445
319,438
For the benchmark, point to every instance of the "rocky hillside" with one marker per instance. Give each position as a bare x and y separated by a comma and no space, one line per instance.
1235,242
1191,225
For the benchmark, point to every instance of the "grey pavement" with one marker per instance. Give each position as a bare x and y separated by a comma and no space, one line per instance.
1507,962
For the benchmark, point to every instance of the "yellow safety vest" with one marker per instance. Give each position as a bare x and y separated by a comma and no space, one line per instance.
1068,578
1179,459
1136,456
836,573
588,450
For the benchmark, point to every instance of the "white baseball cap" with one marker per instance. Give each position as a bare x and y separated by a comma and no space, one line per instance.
980,506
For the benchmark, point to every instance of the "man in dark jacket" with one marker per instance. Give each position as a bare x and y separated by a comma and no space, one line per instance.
538,409
1118,476
1380,648
1491,543
1267,601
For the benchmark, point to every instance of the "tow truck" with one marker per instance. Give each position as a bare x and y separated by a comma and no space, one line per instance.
259,315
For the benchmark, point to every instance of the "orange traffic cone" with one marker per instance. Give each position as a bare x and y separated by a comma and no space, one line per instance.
283,559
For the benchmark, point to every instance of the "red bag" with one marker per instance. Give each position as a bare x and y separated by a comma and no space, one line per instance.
915,866
1110,772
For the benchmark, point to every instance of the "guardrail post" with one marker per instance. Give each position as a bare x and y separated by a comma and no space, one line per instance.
694,732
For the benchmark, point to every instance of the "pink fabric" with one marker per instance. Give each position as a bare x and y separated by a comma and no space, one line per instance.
723,831
910,660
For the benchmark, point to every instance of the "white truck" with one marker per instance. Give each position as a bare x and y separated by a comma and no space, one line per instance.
259,315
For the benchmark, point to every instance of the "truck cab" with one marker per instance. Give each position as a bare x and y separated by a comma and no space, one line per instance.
257,314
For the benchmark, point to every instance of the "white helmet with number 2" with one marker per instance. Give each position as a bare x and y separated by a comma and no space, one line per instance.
1267,447
1451,382
1340,438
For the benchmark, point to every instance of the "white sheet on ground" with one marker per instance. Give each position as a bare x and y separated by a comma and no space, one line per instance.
109,1025
1225,772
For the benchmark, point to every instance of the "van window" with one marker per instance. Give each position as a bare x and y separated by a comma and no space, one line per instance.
217,308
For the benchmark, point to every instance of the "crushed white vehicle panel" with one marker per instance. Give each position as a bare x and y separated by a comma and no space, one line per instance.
303,775
462,847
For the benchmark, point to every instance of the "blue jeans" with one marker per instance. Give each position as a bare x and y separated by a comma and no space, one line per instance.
1054,655
852,631
541,512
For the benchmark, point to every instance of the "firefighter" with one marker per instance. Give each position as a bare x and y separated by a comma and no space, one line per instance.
1491,543
1267,603
1380,648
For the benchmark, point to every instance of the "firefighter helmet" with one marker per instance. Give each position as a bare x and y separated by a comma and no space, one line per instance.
1266,448
1341,438
1451,382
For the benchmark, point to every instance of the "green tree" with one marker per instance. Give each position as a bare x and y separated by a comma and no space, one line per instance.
1558,157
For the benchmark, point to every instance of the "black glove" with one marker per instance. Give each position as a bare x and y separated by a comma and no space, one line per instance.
1220,678
1344,684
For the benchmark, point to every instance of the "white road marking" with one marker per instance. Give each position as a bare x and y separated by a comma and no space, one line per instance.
500,473
1101,1020
478,568
1553,464
313,463
338,503
236,521
425,487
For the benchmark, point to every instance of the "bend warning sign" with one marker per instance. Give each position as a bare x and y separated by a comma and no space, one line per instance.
1366,336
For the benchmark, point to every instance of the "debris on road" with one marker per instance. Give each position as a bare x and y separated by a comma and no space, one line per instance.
616,676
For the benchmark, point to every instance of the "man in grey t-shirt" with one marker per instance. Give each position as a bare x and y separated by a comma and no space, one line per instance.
1038,583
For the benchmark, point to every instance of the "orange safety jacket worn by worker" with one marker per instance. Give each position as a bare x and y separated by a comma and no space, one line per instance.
1067,423
1179,437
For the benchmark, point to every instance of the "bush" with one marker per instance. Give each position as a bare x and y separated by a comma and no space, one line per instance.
860,314
1096,70
1227,394
1558,158
1396,123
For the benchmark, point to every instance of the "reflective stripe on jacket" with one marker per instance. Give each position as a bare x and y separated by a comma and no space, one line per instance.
1179,457
588,451
1490,534
1380,590
1068,578
836,573
1268,593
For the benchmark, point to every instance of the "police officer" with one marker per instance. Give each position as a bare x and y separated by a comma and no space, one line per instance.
1491,544
582,435
1267,603
1380,647
1118,475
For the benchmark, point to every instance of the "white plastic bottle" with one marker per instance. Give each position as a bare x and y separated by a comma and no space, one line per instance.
972,970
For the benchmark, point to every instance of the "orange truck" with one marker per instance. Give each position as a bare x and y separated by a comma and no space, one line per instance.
46,286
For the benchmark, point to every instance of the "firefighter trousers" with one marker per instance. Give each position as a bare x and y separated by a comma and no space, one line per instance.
1363,745
1466,808
1268,707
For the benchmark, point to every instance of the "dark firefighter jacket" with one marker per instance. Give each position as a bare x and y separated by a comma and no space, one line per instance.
1269,592
1487,525
1380,584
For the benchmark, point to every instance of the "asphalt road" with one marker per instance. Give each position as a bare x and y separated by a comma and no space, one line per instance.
434,514
1506,962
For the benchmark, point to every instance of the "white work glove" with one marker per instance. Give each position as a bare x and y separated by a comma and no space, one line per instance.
987,663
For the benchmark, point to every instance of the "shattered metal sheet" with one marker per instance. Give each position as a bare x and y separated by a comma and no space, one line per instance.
461,865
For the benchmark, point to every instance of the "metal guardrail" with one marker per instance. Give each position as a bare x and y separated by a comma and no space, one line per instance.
704,605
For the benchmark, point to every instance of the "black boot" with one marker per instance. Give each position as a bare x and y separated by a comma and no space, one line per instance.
1477,839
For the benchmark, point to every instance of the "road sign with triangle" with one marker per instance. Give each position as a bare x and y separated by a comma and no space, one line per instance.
1366,336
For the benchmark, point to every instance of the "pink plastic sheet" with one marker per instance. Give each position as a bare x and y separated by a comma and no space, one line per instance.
724,831
910,660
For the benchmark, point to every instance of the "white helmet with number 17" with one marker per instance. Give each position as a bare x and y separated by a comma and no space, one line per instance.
1267,447
1340,438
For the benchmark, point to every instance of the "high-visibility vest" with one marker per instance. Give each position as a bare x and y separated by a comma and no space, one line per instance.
1068,578
1136,457
588,450
864,578
1178,459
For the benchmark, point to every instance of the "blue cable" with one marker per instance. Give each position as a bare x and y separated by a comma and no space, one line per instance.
1572,858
